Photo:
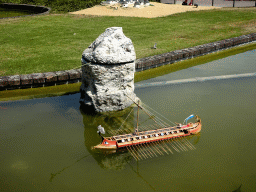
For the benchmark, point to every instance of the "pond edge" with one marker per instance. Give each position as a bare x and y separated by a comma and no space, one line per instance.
41,9
74,75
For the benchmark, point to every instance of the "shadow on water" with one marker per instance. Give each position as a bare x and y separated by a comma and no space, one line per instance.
238,189
111,121
53,175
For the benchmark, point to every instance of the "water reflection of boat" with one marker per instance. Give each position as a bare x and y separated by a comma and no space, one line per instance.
111,121
149,136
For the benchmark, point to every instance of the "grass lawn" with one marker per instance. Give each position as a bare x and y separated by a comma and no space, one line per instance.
56,42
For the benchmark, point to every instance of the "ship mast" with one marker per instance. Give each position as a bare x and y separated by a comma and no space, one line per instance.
138,113
137,128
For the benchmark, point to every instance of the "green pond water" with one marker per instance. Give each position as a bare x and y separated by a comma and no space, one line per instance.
45,144
14,12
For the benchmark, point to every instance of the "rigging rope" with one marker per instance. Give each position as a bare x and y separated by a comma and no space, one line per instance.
159,114
125,119
158,120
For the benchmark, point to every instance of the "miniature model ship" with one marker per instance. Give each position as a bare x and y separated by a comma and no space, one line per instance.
149,136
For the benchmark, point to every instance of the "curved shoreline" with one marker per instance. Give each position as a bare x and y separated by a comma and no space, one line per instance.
74,75
42,10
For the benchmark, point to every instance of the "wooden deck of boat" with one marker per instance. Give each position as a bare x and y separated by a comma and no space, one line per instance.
152,135
150,132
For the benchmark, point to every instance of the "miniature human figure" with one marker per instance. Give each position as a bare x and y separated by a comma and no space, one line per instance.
101,130
198,119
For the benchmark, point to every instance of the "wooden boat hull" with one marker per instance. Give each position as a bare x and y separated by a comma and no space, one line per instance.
106,145
113,143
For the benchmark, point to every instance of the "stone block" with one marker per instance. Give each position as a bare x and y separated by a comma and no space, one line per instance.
179,54
174,56
244,38
231,41
3,81
168,57
154,60
161,58
26,79
138,65
249,37
207,48
186,53
158,59
79,71
202,49
240,40
221,44
253,35
50,77
217,45
73,74
195,51
147,63
62,75
38,78
198,49
235,41
13,80
211,46
191,51
228,43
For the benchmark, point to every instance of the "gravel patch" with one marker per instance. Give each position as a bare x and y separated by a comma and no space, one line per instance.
157,10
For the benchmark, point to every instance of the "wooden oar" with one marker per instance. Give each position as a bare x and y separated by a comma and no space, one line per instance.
135,157
151,149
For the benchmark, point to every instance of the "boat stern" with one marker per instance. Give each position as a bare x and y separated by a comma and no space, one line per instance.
106,144
197,128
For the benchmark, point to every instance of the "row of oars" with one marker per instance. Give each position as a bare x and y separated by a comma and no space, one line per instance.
158,148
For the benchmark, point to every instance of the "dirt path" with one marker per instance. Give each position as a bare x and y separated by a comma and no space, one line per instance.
158,10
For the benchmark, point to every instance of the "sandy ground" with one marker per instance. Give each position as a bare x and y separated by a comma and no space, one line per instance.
158,10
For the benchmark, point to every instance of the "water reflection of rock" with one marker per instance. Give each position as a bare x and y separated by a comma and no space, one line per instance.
111,121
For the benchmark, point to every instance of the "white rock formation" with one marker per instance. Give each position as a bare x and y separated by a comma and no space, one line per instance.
108,72
111,47
109,2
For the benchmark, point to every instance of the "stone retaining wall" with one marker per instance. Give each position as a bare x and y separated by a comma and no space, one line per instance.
74,75
183,54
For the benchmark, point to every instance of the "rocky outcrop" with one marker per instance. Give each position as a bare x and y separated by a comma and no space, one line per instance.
108,69
111,47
